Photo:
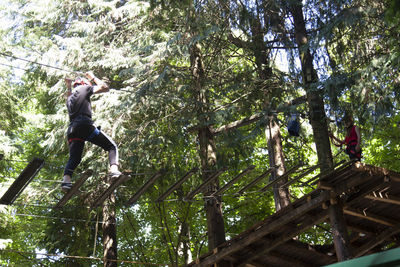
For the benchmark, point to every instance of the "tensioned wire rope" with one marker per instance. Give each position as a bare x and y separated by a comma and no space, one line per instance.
42,64
79,257
218,107
257,193
197,198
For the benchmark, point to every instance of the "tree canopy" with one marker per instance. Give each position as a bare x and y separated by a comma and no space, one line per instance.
146,51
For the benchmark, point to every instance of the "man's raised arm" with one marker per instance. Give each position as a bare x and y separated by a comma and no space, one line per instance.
100,87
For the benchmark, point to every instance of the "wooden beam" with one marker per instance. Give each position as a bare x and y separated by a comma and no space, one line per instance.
117,182
321,174
307,172
369,216
383,236
375,170
354,180
324,185
231,182
177,184
256,180
339,168
285,260
252,118
384,198
364,189
74,189
283,176
237,124
262,230
143,189
22,181
270,244
339,232
204,184
360,229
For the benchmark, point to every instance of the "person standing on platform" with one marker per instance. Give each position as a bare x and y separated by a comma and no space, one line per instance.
352,139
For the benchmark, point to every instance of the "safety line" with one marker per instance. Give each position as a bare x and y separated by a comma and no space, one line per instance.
38,63
80,257
15,67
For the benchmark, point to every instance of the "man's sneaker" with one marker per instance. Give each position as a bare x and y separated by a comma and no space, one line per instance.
114,174
65,187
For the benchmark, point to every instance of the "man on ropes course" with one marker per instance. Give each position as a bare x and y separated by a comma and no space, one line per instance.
82,128
352,139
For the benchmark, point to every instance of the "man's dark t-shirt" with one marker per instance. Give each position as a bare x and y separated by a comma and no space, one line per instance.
79,105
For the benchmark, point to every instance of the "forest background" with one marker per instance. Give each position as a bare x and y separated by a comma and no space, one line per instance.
179,71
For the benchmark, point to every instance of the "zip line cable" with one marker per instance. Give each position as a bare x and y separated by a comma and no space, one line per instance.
81,73
258,193
14,67
79,257
38,63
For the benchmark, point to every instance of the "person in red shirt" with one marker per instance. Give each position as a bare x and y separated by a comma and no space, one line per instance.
352,140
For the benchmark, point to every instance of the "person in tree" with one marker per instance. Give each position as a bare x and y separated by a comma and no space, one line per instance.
352,139
82,128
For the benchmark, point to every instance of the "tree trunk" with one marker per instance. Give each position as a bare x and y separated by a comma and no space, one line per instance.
272,131
109,232
317,115
339,232
183,248
215,221
319,126
276,158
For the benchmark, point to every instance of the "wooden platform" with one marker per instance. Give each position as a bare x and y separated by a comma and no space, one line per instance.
74,190
117,182
22,181
371,201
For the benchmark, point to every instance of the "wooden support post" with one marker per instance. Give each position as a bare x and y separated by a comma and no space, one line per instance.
22,181
177,184
140,192
109,226
230,183
74,189
339,231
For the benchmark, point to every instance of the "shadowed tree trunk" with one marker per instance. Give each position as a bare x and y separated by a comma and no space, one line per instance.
109,232
272,130
260,50
215,221
276,158
320,128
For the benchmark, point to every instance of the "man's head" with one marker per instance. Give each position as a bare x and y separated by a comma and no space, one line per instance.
348,120
80,81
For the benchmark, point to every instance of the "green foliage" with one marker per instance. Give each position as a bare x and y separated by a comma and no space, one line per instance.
143,48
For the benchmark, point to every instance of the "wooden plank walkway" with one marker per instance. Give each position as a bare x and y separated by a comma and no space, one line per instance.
368,195
143,189
117,182
84,176
22,181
